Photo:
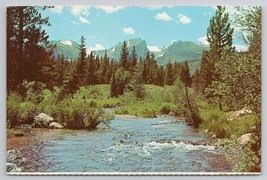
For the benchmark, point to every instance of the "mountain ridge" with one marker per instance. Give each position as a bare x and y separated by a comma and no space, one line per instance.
178,51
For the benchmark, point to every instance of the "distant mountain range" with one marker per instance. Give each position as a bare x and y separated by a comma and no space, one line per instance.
70,49
178,51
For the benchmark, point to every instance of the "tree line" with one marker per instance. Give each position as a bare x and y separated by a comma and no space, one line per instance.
30,58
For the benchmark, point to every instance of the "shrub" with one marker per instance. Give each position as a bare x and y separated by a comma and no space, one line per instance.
13,102
27,111
167,108
148,113
123,110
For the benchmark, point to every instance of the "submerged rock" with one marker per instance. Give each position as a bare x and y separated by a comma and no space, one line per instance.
43,120
55,125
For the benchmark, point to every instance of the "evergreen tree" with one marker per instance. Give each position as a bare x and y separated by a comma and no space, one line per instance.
169,74
81,65
124,56
91,76
219,33
196,81
24,36
160,76
113,86
133,60
137,83
219,36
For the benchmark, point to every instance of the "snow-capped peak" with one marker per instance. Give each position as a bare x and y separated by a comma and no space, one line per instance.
66,42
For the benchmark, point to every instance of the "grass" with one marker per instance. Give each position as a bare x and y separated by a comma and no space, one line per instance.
14,132
217,122
157,100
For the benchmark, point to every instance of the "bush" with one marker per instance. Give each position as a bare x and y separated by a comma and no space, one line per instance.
27,111
167,108
13,103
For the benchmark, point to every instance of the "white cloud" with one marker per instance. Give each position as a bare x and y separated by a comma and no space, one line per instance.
240,48
84,20
154,48
163,16
80,10
109,9
57,9
184,19
128,30
96,48
203,40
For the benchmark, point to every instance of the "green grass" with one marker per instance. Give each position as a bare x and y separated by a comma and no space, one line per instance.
157,100
218,123
13,132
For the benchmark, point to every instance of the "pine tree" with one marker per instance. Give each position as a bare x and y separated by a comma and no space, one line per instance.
133,60
81,65
91,76
113,86
219,33
169,74
24,36
219,36
124,56
160,76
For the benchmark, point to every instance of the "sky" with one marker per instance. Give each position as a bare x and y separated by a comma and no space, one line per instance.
105,26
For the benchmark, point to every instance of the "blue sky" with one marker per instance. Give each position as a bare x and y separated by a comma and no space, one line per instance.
105,26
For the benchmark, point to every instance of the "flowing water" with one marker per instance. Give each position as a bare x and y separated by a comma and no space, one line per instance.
130,145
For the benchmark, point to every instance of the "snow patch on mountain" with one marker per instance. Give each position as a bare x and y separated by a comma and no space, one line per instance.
154,48
66,42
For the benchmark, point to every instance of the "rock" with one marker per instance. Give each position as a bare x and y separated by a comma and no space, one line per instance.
206,131
213,136
15,156
11,167
55,125
253,128
245,138
43,120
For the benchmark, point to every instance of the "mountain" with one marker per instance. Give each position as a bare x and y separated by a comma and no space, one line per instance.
180,51
114,52
70,49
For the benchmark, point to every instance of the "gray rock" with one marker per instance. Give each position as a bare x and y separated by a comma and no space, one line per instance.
43,120
55,125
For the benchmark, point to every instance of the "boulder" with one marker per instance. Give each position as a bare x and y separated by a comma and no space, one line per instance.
214,136
245,138
206,131
43,120
55,125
